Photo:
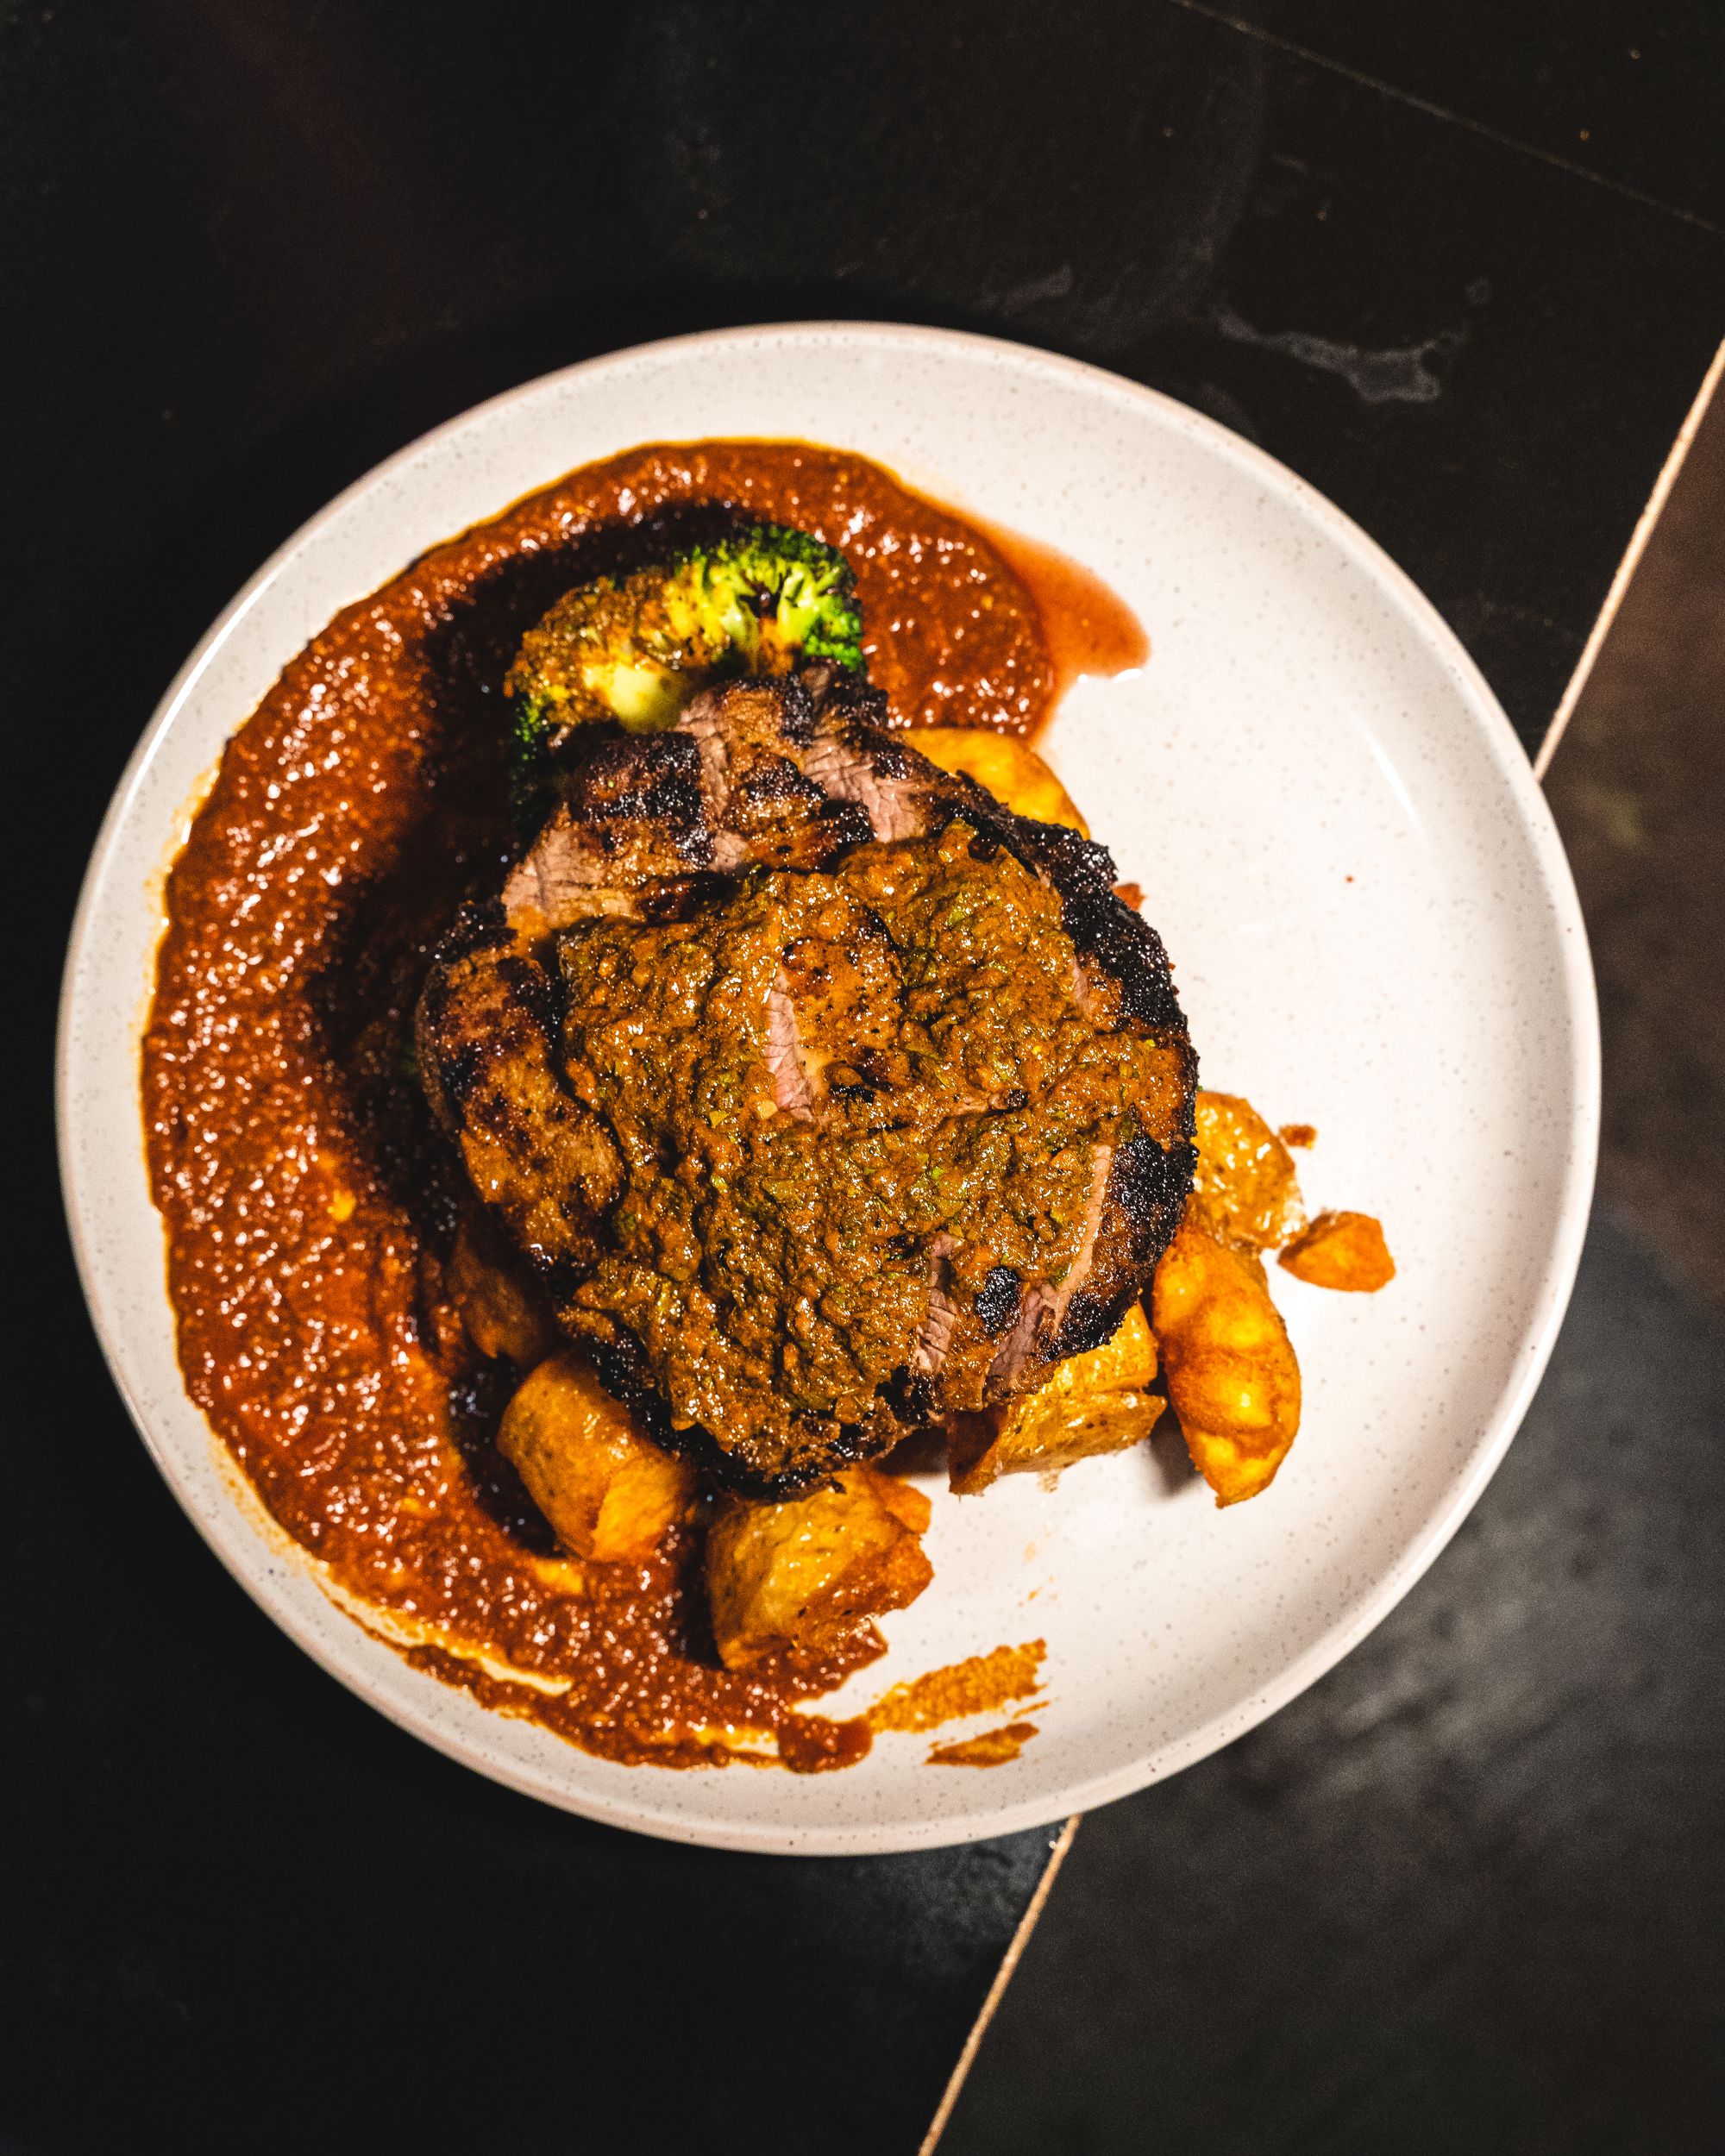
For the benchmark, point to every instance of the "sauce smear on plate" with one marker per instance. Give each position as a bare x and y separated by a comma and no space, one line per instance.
309,1204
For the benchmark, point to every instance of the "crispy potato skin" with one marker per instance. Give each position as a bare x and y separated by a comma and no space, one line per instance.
804,1574
1231,1369
1016,776
609,1493
1244,1192
500,1303
1093,1403
1342,1250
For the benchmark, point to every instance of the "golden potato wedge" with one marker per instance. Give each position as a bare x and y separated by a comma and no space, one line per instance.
609,1492
1342,1250
1092,1404
1230,1365
1013,773
499,1301
1246,1192
803,1574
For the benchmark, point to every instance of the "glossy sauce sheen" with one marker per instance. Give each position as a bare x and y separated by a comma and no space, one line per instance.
309,1205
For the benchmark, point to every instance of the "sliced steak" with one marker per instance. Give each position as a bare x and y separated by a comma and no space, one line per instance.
765,869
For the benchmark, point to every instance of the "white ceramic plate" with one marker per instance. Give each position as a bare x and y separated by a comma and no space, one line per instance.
1375,932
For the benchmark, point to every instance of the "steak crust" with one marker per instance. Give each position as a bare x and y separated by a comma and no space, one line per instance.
788,775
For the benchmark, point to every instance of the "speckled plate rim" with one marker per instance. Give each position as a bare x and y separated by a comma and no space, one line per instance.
236,1536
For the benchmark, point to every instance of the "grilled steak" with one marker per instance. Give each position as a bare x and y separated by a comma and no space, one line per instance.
828,1097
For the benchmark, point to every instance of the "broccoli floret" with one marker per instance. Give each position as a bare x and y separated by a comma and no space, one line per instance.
635,649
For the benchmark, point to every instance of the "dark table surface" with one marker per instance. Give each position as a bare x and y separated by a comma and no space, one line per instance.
1463,269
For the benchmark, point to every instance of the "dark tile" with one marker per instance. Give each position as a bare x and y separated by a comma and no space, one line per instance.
1466,1894
1447,337
1627,92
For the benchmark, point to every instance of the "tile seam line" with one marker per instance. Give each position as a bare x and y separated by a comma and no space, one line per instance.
1675,457
1009,1961
1434,112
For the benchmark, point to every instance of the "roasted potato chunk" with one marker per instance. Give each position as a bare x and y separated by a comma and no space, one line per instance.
609,1493
1093,1403
804,1574
1342,1250
1013,774
499,1301
1244,1192
1230,1365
